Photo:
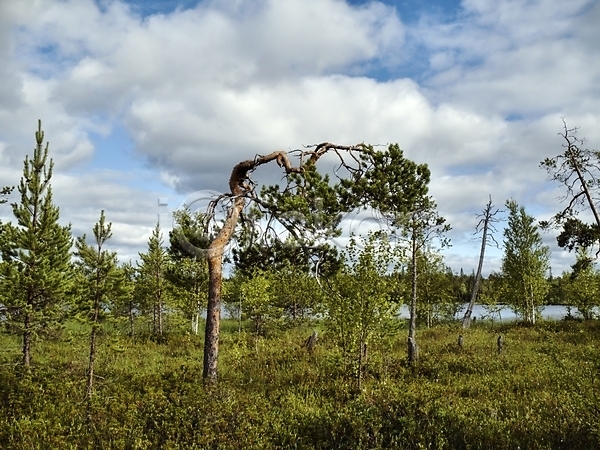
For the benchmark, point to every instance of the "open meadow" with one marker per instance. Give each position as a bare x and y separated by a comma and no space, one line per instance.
540,392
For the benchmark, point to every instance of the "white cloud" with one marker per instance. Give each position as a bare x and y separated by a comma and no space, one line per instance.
202,88
514,57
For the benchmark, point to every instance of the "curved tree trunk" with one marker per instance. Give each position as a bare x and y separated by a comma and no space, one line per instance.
215,281
239,190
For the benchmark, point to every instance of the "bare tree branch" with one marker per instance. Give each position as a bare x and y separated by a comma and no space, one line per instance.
486,223
241,189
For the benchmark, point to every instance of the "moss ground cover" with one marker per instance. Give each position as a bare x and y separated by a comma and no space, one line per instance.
541,392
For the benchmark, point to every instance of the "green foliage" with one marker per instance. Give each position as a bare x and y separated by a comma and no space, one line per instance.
188,272
99,279
298,292
390,183
36,270
4,192
541,393
582,287
576,234
98,284
437,301
272,298
188,239
308,208
151,283
277,255
125,306
361,307
577,170
525,263
490,294
253,297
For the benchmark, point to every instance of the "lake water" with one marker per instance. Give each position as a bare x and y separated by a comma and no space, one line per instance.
549,312
505,313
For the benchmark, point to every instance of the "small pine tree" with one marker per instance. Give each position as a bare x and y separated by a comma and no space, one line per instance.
36,269
100,283
125,306
189,271
151,281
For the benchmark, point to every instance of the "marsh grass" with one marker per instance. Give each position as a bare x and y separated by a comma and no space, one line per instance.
541,392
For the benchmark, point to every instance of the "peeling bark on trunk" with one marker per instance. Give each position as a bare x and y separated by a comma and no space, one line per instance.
215,281
239,188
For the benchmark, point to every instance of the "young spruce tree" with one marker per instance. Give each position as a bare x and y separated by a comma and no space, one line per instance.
36,267
101,281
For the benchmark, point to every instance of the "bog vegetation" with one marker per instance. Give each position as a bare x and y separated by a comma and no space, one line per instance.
313,354
541,391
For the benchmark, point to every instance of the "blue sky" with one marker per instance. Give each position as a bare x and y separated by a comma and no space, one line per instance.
143,100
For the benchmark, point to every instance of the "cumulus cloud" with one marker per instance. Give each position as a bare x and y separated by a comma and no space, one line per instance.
516,58
201,88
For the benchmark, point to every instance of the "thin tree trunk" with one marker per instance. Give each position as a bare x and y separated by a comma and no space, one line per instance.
154,318
196,309
195,321
131,319
487,216
214,258
467,317
240,317
412,340
159,302
90,381
27,340
160,317
360,362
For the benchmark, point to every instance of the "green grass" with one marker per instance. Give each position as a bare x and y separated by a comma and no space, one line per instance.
541,392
